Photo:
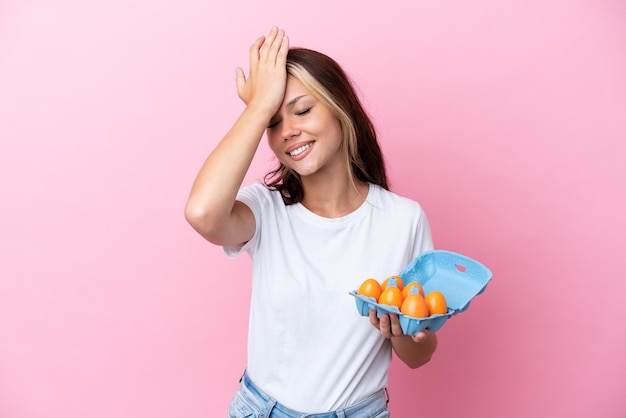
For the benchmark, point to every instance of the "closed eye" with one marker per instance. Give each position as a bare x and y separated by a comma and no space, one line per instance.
302,113
273,124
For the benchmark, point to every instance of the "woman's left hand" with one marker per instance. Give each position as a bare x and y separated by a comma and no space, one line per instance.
389,326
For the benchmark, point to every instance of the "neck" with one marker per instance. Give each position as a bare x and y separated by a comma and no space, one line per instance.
335,197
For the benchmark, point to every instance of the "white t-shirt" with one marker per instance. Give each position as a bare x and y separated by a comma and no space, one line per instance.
308,347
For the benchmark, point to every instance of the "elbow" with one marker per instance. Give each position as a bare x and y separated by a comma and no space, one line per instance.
419,362
199,219
194,215
206,223
423,352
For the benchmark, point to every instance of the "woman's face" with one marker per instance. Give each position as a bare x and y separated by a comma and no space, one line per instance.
304,134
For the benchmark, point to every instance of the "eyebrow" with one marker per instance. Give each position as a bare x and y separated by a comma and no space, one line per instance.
295,100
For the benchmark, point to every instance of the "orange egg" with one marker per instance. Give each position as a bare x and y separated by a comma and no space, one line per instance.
436,303
410,286
415,306
398,279
370,288
391,296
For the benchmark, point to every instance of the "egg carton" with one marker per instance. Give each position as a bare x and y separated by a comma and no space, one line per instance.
458,277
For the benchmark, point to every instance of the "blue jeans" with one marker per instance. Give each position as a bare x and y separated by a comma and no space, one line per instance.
252,402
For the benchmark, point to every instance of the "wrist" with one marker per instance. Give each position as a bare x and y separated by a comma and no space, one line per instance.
257,116
261,109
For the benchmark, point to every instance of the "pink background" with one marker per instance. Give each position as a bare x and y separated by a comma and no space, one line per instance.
505,119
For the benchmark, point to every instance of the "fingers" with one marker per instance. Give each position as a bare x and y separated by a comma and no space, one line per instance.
385,326
374,319
275,45
272,48
393,322
254,51
388,324
419,337
267,76
282,51
240,79
267,44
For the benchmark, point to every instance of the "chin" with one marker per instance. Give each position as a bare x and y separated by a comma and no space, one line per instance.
302,171
305,172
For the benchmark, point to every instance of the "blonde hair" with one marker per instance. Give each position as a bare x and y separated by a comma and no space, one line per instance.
329,84
348,143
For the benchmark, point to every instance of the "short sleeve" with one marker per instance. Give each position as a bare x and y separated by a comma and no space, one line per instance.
423,235
254,197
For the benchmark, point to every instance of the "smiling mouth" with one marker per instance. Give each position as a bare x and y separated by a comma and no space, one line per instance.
300,150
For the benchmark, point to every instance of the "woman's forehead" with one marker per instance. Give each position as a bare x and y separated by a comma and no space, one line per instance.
295,88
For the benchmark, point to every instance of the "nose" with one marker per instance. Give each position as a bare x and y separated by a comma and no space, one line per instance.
290,129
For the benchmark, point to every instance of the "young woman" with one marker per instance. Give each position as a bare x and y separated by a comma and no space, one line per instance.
322,223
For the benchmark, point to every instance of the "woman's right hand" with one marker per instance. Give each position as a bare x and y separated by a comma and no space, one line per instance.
212,208
267,79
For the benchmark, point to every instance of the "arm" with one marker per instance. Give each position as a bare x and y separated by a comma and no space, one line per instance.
414,351
212,209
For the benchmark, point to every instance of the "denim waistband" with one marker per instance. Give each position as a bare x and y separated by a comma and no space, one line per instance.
373,403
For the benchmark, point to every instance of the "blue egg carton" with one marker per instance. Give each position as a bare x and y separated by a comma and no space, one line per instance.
458,277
